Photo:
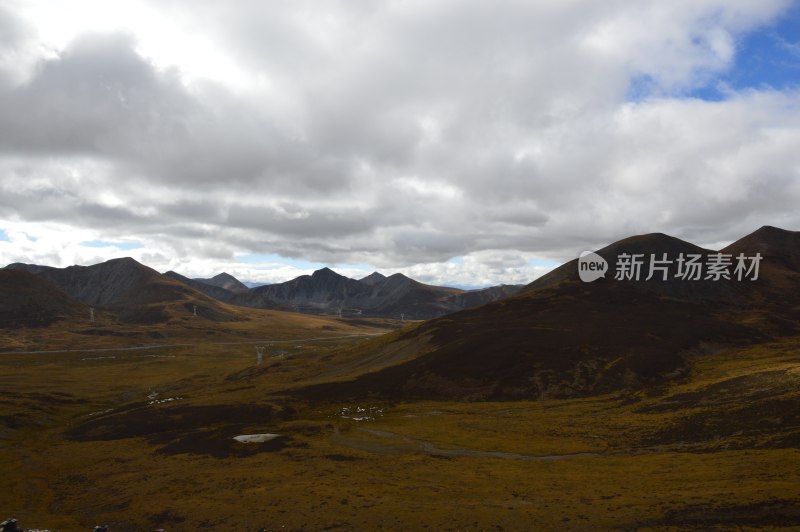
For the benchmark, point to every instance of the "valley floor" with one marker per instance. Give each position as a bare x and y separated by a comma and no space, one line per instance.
141,440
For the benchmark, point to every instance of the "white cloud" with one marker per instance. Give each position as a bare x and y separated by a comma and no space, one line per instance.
394,134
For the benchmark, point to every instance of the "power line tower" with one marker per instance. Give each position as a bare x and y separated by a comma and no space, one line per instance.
91,314
402,316
194,310
260,354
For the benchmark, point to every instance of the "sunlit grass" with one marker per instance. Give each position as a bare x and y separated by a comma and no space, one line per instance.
632,466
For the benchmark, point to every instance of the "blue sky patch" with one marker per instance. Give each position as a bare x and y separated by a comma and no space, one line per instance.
537,263
103,244
640,87
280,262
766,59
269,258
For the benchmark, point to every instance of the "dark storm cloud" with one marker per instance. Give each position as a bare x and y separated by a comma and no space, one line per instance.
100,98
296,221
50,205
95,98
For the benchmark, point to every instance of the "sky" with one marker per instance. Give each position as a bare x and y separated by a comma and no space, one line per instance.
464,143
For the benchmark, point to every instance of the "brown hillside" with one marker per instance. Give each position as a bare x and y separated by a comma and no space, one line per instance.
132,291
29,301
562,337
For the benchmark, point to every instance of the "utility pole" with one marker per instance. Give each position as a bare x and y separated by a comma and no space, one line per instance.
91,314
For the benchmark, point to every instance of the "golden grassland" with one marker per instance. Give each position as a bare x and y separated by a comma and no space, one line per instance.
80,443
108,332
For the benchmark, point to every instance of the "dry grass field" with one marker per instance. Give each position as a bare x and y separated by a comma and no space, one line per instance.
142,439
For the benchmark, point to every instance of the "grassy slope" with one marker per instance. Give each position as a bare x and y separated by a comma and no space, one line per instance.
554,343
718,448
107,331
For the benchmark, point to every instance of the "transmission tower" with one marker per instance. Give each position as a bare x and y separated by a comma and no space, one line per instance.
259,354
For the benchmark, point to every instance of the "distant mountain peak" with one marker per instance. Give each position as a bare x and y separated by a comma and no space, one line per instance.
373,279
656,240
772,229
325,272
31,268
397,280
226,281
125,261
774,244
768,233
650,243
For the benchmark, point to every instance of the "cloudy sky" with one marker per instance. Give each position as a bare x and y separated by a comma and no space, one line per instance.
462,142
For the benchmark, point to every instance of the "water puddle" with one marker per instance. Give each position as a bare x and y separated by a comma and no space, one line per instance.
255,438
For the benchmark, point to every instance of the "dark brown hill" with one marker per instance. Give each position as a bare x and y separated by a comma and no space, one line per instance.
132,291
779,268
561,337
324,291
373,278
217,292
777,246
226,281
648,246
474,298
29,301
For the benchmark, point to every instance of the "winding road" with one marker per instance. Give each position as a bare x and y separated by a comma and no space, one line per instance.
167,346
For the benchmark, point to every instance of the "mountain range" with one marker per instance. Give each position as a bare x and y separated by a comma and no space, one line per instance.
326,292
139,294
561,337
556,337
